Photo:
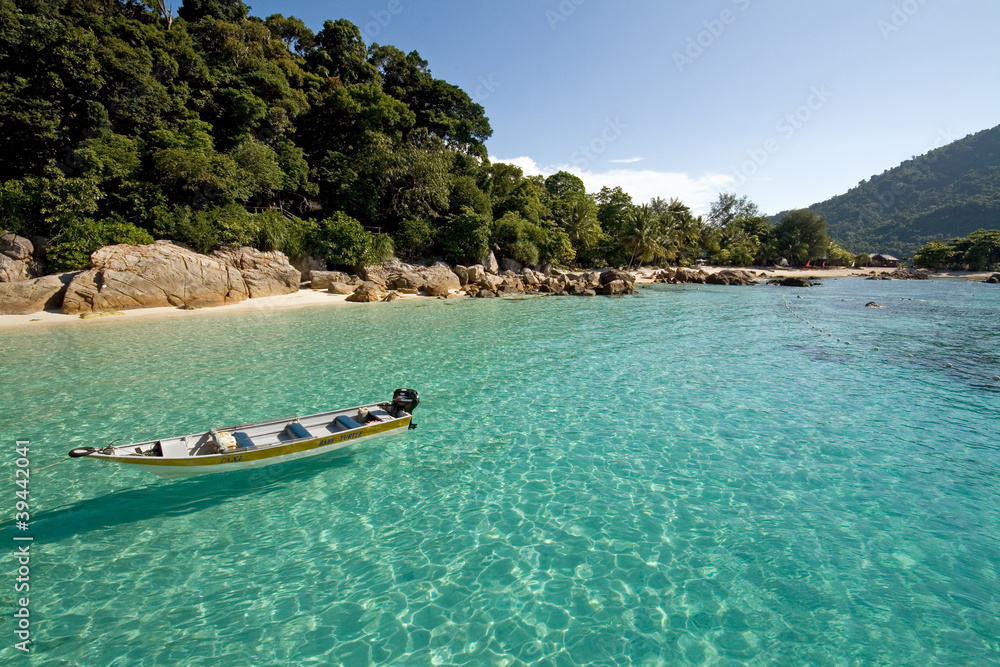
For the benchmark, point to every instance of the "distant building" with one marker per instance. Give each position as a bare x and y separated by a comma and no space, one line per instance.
885,260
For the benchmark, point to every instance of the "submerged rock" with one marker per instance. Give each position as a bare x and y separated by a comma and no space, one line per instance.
791,281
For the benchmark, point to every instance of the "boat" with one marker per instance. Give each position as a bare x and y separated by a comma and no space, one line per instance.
262,443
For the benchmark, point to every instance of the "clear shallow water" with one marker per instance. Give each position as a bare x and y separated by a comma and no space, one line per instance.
693,476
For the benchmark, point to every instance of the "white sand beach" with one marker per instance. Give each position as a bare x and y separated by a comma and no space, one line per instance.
315,299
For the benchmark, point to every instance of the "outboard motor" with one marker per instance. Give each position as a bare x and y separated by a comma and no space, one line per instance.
405,400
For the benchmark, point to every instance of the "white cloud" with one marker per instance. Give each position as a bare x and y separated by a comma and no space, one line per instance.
631,160
642,184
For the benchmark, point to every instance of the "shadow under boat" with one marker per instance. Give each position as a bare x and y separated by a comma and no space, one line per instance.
178,497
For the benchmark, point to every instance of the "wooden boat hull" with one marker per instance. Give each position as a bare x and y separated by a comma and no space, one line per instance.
262,443
254,458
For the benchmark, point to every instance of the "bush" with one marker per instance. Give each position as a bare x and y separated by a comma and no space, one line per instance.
72,248
343,241
414,238
465,237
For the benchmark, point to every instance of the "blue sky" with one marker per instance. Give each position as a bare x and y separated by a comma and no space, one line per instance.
787,102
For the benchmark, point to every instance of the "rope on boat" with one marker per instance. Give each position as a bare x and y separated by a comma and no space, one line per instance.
53,465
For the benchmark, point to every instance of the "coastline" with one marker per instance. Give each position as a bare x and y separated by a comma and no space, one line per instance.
307,298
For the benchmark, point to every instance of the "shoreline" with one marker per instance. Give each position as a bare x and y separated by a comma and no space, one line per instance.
306,298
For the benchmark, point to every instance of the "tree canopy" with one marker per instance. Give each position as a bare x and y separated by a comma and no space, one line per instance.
122,123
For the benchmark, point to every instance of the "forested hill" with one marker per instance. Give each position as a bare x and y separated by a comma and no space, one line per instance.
120,122
947,193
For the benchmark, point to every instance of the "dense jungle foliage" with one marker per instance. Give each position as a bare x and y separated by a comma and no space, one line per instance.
122,123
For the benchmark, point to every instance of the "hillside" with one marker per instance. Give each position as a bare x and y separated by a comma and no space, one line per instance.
946,193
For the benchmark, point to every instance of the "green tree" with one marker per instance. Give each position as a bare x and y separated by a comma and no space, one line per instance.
933,255
71,249
343,241
223,10
464,238
801,236
646,236
980,250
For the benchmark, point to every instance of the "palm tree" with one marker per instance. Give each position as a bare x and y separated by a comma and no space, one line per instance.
581,223
646,235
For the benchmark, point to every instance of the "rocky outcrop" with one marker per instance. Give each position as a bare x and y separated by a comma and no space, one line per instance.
872,304
408,282
681,276
341,288
307,265
16,247
507,264
323,279
265,273
367,292
126,277
376,273
17,261
732,277
994,279
792,281
490,263
12,270
439,280
31,296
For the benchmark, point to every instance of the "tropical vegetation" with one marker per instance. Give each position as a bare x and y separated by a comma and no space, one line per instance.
122,123
947,193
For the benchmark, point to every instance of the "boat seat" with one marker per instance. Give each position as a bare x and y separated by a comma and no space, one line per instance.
298,430
243,441
381,415
343,423
173,449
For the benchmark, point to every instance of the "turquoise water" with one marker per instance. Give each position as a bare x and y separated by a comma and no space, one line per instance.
697,475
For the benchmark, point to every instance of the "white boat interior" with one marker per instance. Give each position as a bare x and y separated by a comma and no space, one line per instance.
261,435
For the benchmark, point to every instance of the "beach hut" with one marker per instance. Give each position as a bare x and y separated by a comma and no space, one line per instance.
885,261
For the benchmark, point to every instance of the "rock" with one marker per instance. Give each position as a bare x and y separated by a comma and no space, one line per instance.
872,304
477,274
508,264
994,279
407,280
16,247
308,265
367,292
463,275
690,276
323,279
612,275
377,274
31,296
13,270
440,281
791,281
161,274
341,288
731,277
490,263
390,297
531,278
613,288
265,273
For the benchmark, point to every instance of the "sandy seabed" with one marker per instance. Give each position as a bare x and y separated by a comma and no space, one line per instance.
315,298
